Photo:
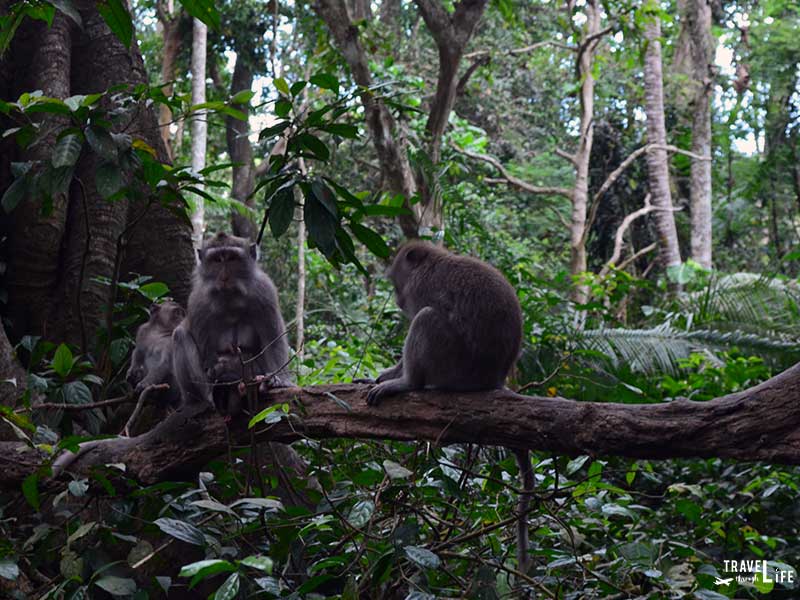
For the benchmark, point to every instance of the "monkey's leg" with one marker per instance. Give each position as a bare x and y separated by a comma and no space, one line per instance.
189,369
419,354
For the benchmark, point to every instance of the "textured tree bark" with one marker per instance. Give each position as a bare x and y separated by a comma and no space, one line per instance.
40,59
199,123
13,378
758,424
694,56
580,194
658,170
240,151
170,23
389,144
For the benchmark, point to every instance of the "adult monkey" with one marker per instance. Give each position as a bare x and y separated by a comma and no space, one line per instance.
465,335
233,310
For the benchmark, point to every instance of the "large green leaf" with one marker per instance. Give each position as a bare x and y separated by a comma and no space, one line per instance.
185,532
371,240
117,18
117,586
62,361
14,194
67,150
108,179
281,211
203,10
229,589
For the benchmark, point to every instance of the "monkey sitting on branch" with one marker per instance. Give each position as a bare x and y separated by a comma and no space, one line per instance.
233,330
465,335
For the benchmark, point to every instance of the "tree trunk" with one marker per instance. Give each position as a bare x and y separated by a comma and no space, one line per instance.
199,124
170,23
53,291
300,306
658,170
694,57
240,151
580,195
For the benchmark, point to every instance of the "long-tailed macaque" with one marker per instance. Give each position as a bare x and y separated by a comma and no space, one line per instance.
232,311
151,362
465,335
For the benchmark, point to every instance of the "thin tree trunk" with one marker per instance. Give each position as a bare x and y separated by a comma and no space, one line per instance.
696,36
658,170
300,307
580,196
240,151
170,24
199,124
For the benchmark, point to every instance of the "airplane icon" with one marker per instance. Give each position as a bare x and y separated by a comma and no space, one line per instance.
720,581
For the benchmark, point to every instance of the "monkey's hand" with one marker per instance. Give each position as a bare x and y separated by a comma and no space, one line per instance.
275,381
364,380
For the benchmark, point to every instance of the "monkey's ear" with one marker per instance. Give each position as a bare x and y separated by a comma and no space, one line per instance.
415,255
254,251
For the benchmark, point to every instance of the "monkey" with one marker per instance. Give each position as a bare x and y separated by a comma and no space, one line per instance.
233,310
465,335
466,323
151,362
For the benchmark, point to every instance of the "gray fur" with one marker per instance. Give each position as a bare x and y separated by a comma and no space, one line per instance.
233,310
466,323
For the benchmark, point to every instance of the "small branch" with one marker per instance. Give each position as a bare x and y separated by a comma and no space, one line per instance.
616,173
522,50
510,179
565,155
622,229
145,395
636,255
87,406
462,82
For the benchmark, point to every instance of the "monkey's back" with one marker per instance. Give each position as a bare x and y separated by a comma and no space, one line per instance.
481,308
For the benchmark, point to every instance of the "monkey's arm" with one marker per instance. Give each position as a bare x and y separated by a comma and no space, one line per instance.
394,372
188,368
158,372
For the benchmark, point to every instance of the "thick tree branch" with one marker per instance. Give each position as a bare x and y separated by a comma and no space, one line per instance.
758,424
514,181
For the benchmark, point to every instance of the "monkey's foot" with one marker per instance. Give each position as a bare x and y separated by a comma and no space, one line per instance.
364,380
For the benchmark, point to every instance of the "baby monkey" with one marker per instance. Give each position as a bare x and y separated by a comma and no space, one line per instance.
466,323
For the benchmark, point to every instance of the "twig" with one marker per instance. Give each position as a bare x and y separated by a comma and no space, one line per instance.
88,406
637,254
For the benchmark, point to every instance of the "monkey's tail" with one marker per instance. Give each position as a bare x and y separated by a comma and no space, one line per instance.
526,479
68,457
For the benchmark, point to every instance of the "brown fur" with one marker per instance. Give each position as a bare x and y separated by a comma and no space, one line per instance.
466,323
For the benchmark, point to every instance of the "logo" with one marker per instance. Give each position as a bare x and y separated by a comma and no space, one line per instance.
761,573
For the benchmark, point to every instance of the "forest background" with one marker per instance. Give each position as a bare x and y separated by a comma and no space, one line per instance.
631,167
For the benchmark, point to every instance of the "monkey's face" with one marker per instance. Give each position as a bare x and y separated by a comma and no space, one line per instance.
227,268
404,273
166,316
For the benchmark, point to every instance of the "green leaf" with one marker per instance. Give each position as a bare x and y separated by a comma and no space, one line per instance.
185,532
243,97
271,414
298,87
108,179
62,361
229,589
67,151
326,81
203,10
9,569
371,240
273,131
117,586
118,19
282,86
315,145
262,563
361,513
76,392
30,489
102,143
14,194
325,197
281,211
320,223
342,130
395,470
283,107
423,557
153,291
195,568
